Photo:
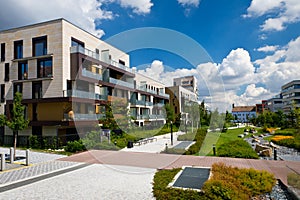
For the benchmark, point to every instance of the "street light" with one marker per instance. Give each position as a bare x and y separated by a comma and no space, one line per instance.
171,133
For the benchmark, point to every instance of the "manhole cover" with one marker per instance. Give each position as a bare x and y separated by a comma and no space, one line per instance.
191,178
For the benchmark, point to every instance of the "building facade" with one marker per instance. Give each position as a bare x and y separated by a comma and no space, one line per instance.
275,104
290,95
67,78
243,114
187,82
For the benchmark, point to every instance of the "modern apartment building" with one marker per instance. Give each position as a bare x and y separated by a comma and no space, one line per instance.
187,82
275,104
290,95
67,77
180,98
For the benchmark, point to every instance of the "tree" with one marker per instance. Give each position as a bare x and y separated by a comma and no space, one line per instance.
170,113
17,121
2,120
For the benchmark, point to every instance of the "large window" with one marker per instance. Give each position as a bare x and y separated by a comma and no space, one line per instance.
44,68
18,49
22,70
18,87
6,72
75,42
39,46
36,90
2,52
2,99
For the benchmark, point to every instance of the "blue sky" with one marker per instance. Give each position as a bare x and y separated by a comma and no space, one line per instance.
254,45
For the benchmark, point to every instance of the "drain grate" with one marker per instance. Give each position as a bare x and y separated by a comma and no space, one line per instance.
191,178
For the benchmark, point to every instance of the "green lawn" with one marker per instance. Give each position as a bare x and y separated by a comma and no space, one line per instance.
217,138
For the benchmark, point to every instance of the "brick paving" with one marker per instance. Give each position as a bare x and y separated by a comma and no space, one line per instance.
158,161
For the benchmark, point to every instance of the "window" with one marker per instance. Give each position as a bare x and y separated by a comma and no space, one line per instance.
122,62
75,42
37,90
18,87
44,68
18,49
6,72
22,70
2,93
2,52
39,46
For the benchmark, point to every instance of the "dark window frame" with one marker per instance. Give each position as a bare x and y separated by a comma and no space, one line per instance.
76,42
37,40
2,52
22,74
37,90
2,99
42,68
6,72
18,49
18,87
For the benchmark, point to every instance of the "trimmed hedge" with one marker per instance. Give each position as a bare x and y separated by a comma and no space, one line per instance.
199,138
237,149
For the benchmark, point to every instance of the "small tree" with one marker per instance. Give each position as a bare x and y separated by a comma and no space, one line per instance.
17,121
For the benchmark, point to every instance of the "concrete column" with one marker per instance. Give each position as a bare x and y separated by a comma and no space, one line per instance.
27,157
2,157
11,155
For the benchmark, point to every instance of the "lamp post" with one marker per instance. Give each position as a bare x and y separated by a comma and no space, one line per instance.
171,133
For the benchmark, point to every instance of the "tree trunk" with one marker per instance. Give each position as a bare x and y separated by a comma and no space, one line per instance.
15,134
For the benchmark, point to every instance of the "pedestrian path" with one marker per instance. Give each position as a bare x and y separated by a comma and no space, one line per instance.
157,145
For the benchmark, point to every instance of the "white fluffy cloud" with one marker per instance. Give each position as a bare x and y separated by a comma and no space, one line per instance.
234,80
83,13
138,6
267,48
189,2
283,12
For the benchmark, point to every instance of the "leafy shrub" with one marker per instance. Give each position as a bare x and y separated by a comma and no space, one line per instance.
226,183
199,138
74,146
187,137
233,183
34,142
236,149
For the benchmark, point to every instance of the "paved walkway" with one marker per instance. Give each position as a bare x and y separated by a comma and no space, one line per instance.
158,161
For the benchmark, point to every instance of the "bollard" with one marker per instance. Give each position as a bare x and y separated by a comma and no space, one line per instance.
275,154
11,155
166,148
27,157
2,155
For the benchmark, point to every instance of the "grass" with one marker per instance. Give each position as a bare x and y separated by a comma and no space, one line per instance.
219,139
294,180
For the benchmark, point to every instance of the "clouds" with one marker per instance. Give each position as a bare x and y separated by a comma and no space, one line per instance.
234,80
83,13
278,13
194,3
139,7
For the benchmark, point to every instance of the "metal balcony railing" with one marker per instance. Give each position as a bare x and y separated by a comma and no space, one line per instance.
84,94
120,82
91,75
78,116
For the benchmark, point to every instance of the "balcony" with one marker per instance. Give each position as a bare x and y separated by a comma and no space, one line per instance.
84,95
141,102
120,82
87,117
82,50
164,95
149,117
92,75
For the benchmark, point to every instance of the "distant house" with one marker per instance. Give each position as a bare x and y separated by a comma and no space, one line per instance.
242,114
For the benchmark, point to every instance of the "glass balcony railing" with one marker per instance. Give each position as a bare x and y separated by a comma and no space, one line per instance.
148,117
84,95
120,82
78,116
79,49
91,75
141,102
